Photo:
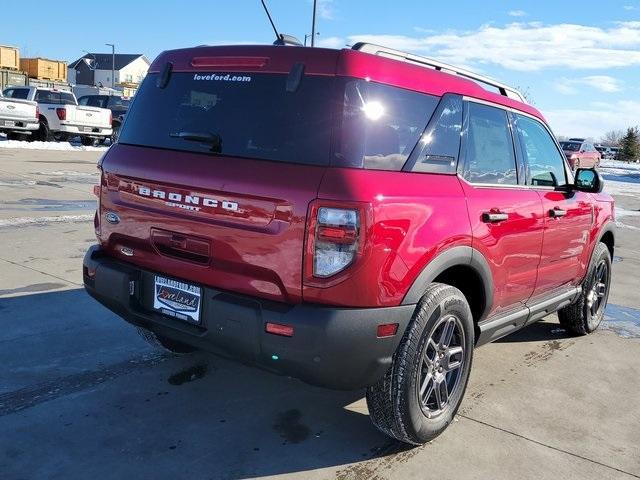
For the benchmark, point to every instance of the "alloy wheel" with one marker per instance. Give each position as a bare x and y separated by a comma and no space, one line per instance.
441,364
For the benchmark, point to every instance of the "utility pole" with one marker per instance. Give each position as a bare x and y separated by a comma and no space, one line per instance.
113,64
313,24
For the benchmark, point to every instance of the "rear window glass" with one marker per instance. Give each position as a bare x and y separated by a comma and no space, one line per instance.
93,101
380,125
250,115
67,99
21,93
570,146
118,102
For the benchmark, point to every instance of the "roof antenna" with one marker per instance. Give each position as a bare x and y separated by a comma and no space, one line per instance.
281,38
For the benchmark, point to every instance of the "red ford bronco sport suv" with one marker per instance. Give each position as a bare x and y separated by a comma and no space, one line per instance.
353,218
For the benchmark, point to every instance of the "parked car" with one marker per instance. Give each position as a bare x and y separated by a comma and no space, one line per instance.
615,153
116,104
61,118
581,154
18,118
368,226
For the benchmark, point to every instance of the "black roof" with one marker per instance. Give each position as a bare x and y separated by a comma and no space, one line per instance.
103,60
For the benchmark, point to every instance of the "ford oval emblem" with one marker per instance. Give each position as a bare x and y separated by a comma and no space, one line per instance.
112,218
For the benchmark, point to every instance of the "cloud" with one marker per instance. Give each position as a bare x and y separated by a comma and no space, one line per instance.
595,119
526,46
603,83
629,7
325,9
331,42
517,13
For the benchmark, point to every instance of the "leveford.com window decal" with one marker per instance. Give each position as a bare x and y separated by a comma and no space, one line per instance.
215,77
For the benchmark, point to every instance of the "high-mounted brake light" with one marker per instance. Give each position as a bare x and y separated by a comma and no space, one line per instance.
61,113
336,240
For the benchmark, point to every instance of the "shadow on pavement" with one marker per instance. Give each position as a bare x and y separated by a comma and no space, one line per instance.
79,383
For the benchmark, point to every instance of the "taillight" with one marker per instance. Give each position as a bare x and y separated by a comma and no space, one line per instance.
111,118
37,111
335,242
61,113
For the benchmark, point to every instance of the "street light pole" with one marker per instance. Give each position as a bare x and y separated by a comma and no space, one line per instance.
313,24
113,64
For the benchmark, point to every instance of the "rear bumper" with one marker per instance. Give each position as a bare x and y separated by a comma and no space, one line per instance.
79,130
21,124
331,347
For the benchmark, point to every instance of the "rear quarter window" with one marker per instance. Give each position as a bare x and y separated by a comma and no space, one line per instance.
380,125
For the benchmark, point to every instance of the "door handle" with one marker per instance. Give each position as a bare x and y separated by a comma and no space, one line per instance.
494,217
557,212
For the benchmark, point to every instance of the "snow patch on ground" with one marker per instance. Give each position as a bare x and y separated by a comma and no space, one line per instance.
65,146
28,221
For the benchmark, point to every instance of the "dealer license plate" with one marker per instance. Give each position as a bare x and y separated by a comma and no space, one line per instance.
177,299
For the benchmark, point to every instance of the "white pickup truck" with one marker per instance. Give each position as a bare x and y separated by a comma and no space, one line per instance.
61,118
18,118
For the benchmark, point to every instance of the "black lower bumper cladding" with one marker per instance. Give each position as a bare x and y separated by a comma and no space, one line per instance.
332,347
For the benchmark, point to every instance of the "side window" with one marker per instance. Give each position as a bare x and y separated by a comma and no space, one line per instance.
380,125
83,101
438,148
490,155
545,162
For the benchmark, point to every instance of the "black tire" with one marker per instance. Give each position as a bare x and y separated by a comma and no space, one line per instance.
583,316
89,141
115,134
395,403
43,133
164,343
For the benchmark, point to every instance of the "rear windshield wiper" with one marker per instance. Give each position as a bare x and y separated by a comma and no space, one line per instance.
212,139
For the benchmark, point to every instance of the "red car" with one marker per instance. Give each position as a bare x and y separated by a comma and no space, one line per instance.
353,218
581,154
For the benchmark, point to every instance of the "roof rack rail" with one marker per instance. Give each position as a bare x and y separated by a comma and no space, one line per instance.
427,62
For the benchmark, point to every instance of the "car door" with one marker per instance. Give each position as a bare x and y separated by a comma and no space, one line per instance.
506,216
568,214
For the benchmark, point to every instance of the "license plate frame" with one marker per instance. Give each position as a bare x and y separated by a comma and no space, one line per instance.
177,299
9,123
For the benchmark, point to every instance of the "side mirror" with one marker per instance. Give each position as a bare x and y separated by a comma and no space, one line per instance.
588,180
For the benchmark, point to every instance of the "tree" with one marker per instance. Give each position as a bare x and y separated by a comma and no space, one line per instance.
630,145
612,138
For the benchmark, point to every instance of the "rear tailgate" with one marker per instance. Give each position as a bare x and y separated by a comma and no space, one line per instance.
230,223
216,165
16,109
88,116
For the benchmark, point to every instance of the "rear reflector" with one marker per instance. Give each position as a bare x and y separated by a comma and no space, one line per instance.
387,330
279,329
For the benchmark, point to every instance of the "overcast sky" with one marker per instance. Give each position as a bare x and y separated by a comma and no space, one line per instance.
579,62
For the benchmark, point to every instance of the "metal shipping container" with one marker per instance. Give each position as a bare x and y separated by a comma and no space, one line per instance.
44,69
10,77
9,57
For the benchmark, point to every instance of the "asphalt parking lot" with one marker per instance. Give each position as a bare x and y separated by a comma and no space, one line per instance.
81,396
